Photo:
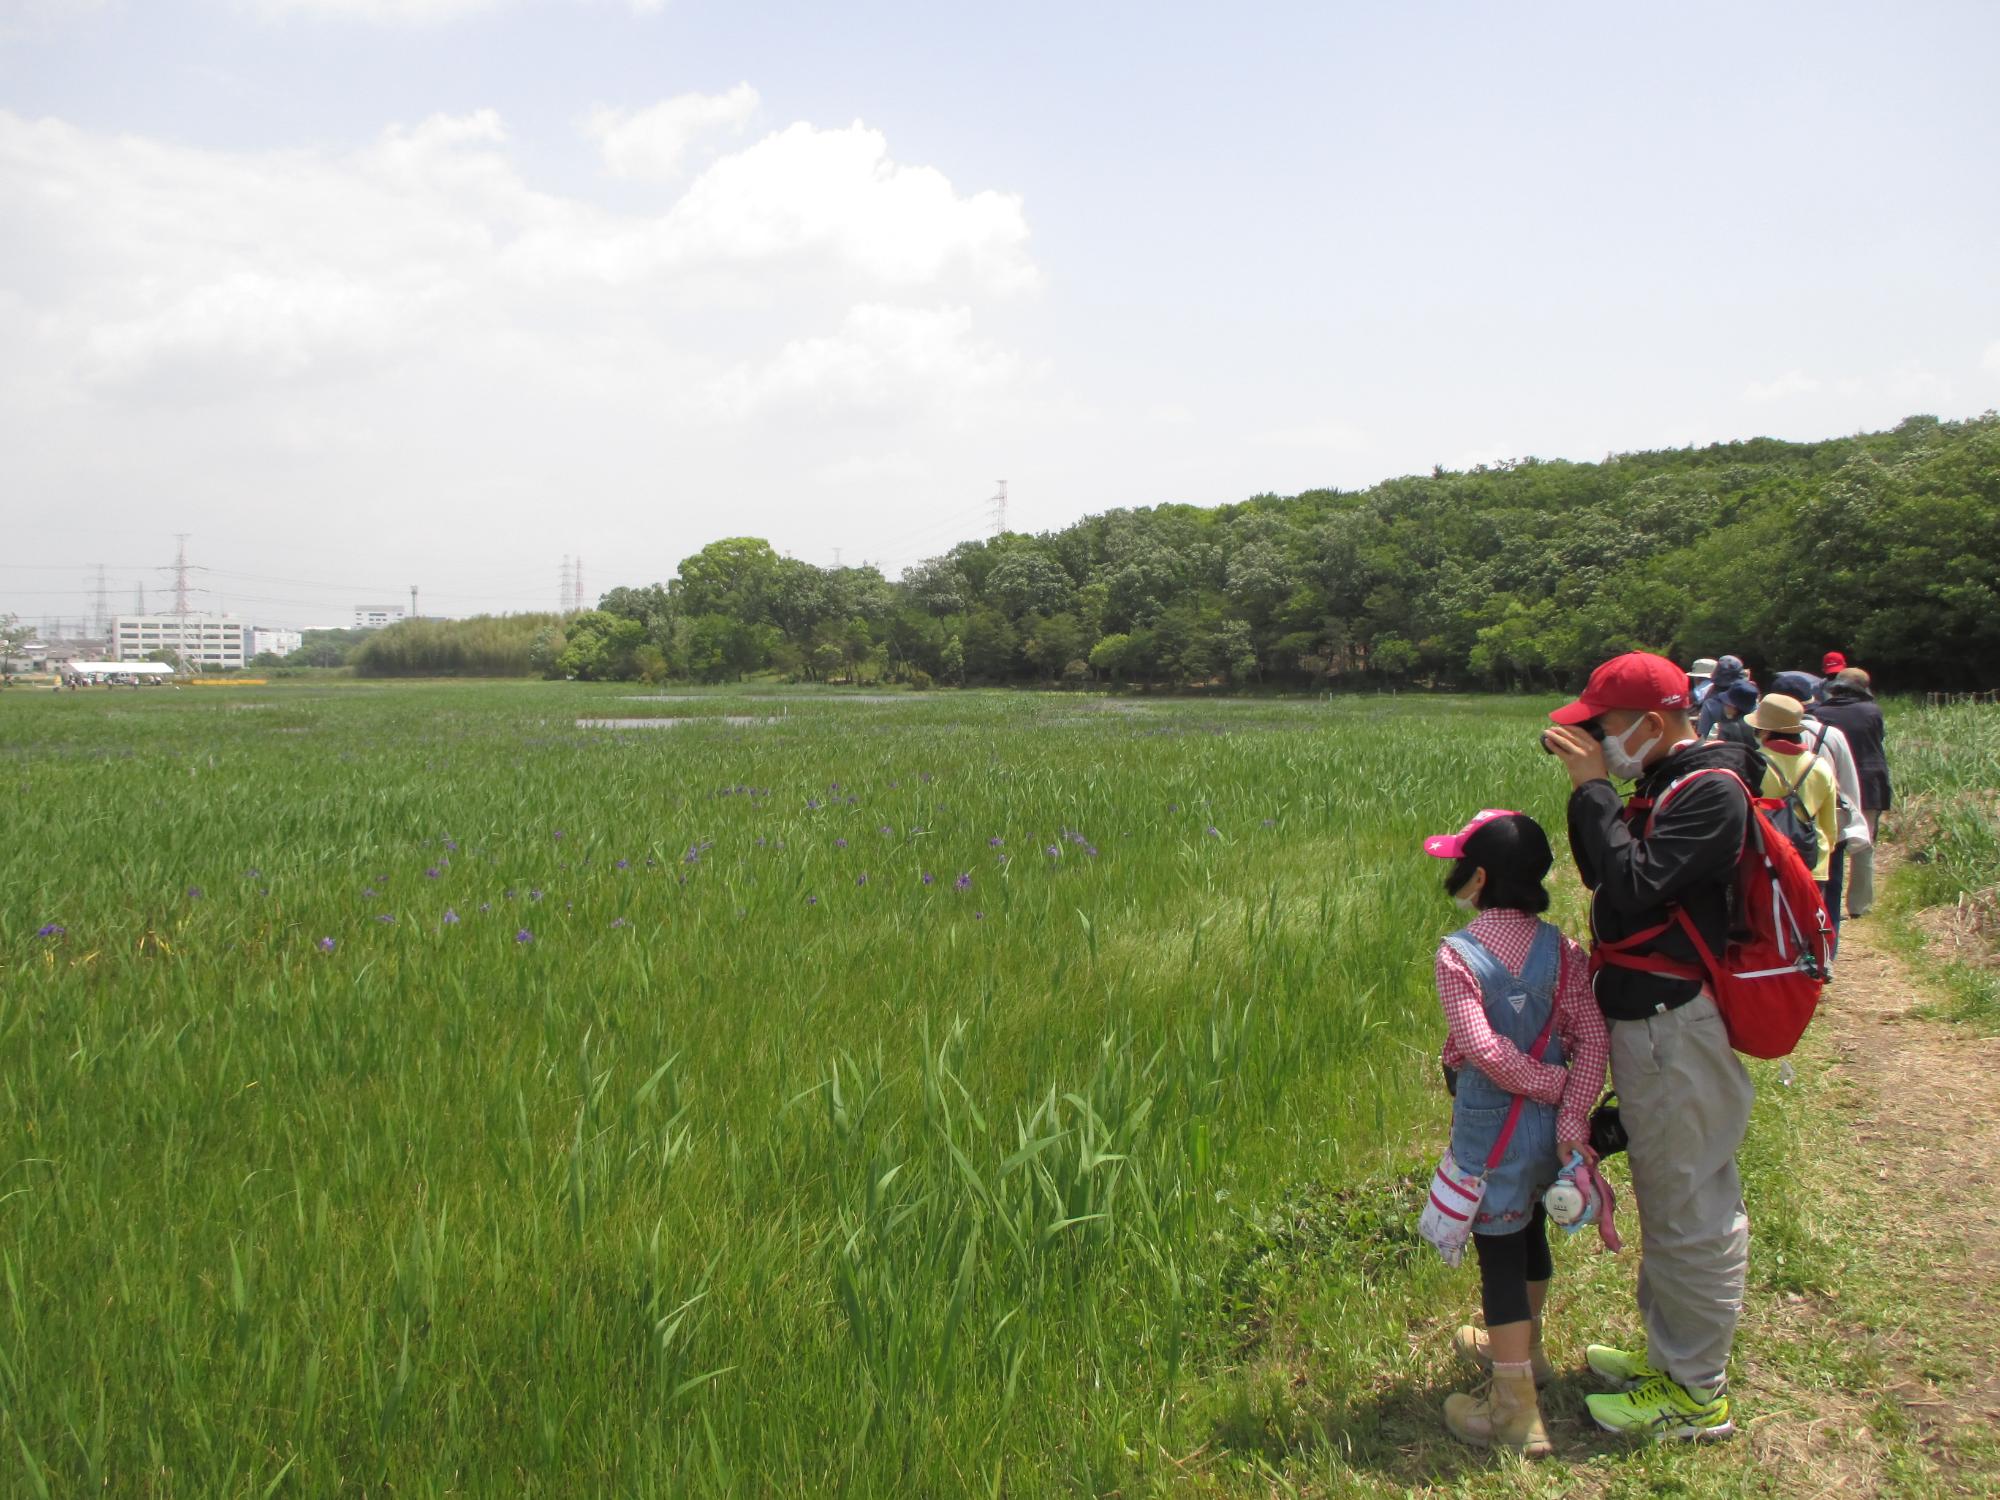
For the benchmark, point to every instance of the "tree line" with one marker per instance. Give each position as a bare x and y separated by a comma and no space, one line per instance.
1521,574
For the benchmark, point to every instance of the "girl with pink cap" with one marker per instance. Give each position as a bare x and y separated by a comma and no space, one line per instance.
1524,1056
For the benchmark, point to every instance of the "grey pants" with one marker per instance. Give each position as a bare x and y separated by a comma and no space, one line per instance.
1685,1102
1861,869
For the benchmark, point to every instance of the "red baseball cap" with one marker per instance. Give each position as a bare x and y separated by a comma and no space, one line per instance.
1452,845
1834,662
1637,680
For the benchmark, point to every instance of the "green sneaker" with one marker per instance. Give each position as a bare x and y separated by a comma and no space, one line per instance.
1625,1372
1663,1408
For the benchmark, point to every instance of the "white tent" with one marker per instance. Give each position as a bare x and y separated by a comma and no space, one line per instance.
120,669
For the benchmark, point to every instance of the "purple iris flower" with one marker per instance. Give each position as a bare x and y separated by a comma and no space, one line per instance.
51,929
524,936
1091,850
840,843
387,919
862,878
812,804
812,901
1054,851
534,895
1214,832
326,945
623,864
194,893
368,890
929,879
432,873
964,881
559,834
979,916
450,917
995,843
887,831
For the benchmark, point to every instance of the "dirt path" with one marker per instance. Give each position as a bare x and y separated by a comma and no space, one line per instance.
1919,1097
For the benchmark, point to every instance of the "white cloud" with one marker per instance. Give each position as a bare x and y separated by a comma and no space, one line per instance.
1325,437
166,273
805,193
1791,383
652,143
883,359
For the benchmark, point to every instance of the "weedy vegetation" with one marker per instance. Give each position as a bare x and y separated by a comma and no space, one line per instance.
411,1090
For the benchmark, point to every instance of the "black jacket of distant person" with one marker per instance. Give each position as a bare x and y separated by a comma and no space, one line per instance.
1853,711
1687,860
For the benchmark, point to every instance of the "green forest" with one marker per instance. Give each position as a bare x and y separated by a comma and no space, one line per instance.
1523,574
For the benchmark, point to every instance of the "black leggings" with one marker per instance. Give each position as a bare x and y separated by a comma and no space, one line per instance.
1507,1263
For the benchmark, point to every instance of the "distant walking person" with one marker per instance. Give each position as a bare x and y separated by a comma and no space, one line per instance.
1729,670
1701,677
1738,703
1854,836
1684,1096
1800,775
1850,707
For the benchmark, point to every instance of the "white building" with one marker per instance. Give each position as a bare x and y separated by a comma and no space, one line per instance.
199,640
277,642
368,616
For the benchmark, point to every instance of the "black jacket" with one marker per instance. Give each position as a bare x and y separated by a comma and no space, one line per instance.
1853,711
1689,861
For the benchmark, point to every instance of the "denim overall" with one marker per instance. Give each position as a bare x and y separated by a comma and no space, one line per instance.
1516,1009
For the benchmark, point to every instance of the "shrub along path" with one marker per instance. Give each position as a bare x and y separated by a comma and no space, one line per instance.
1868,1362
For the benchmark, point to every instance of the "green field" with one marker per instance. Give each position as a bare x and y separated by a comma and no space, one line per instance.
426,1095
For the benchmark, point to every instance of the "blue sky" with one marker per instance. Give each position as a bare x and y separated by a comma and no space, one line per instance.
366,292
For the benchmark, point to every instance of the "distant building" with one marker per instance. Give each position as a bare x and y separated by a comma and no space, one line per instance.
199,639
277,642
368,616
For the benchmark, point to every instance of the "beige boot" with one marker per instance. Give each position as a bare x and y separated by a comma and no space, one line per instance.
1469,1344
1505,1415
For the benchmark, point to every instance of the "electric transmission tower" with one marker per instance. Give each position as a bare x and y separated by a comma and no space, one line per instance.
181,573
565,588
999,504
102,624
576,583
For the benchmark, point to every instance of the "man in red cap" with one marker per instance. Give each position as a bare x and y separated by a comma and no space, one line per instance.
1684,1098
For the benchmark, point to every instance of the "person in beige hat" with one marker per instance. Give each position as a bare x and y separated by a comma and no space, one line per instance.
1801,776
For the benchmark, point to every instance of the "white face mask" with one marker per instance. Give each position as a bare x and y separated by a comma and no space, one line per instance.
1623,763
1466,903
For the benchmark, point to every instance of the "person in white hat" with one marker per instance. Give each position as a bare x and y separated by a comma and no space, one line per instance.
1801,775
1700,676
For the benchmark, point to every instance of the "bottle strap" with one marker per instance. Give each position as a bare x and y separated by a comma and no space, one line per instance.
1514,1113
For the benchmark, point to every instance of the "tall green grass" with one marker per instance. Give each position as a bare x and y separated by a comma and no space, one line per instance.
683,1161
1946,763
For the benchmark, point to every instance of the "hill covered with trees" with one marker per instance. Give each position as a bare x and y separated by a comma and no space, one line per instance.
1884,545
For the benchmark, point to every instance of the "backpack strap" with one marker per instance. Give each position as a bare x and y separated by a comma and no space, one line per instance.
1618,952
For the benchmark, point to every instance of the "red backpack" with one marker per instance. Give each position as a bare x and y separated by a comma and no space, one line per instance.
1768,978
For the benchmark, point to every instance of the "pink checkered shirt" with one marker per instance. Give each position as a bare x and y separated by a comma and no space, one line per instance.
1470,1040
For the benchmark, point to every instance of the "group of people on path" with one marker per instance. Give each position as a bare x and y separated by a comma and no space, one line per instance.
1823,744
1532,1021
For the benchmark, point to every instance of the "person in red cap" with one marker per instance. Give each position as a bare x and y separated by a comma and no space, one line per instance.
1832,663
1684,1098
